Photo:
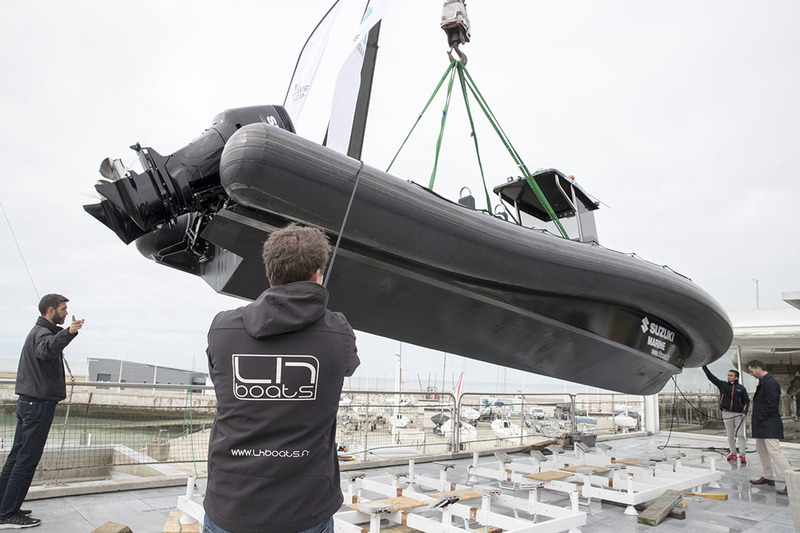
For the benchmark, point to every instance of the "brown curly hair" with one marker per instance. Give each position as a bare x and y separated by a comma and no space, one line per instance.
294,253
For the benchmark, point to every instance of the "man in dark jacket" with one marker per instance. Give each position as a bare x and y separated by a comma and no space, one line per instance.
767,424
278,366
40,386
733,402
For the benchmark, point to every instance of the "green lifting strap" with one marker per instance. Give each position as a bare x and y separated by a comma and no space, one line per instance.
419,117
474,134
514,155
441,128
466,81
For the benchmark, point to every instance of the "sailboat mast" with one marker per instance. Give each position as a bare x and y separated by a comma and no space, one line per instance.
364,93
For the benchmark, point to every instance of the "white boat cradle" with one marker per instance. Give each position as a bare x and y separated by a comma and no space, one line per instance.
191,503
431,512
583,474
628,481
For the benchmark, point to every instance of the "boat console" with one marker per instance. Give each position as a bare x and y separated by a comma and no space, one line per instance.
562,192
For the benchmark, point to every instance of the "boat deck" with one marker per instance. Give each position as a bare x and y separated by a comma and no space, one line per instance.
749,508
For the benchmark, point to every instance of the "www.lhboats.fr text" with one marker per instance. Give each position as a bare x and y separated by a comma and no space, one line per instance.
254,452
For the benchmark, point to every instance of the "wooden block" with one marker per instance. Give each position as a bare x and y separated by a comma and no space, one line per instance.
400,503
541,446
629,461
549,475
677,514
112,527
172,525
660,508
709,495
574,468
639,507
463,494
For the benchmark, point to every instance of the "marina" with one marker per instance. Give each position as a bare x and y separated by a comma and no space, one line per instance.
505,266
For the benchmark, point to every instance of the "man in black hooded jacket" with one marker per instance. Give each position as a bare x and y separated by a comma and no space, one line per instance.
278,366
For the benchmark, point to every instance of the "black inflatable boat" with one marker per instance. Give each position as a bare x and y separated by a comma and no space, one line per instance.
414,266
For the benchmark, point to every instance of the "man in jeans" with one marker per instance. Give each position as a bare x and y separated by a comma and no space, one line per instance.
40,386
733,402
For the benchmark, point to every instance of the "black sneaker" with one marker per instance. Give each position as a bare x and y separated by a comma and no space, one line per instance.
24,511
19,521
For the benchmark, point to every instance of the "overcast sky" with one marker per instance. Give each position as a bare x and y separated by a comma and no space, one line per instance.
682,117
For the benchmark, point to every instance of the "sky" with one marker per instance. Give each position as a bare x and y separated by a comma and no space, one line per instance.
681,117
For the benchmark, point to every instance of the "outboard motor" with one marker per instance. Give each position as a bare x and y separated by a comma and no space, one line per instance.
185,182
166,208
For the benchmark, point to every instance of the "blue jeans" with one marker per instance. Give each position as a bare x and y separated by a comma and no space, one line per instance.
326,526
34,418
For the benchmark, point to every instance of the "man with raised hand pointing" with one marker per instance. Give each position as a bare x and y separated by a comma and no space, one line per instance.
40,386
733,403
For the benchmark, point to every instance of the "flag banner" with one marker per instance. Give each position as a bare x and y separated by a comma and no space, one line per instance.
308,63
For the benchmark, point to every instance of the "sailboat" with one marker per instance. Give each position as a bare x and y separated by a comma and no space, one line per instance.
412,265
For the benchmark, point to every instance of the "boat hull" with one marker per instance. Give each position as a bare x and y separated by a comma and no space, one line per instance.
415,267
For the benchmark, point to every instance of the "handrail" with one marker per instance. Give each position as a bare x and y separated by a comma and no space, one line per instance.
126,385
111,437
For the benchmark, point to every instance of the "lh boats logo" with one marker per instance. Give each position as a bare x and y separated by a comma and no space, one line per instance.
275,377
